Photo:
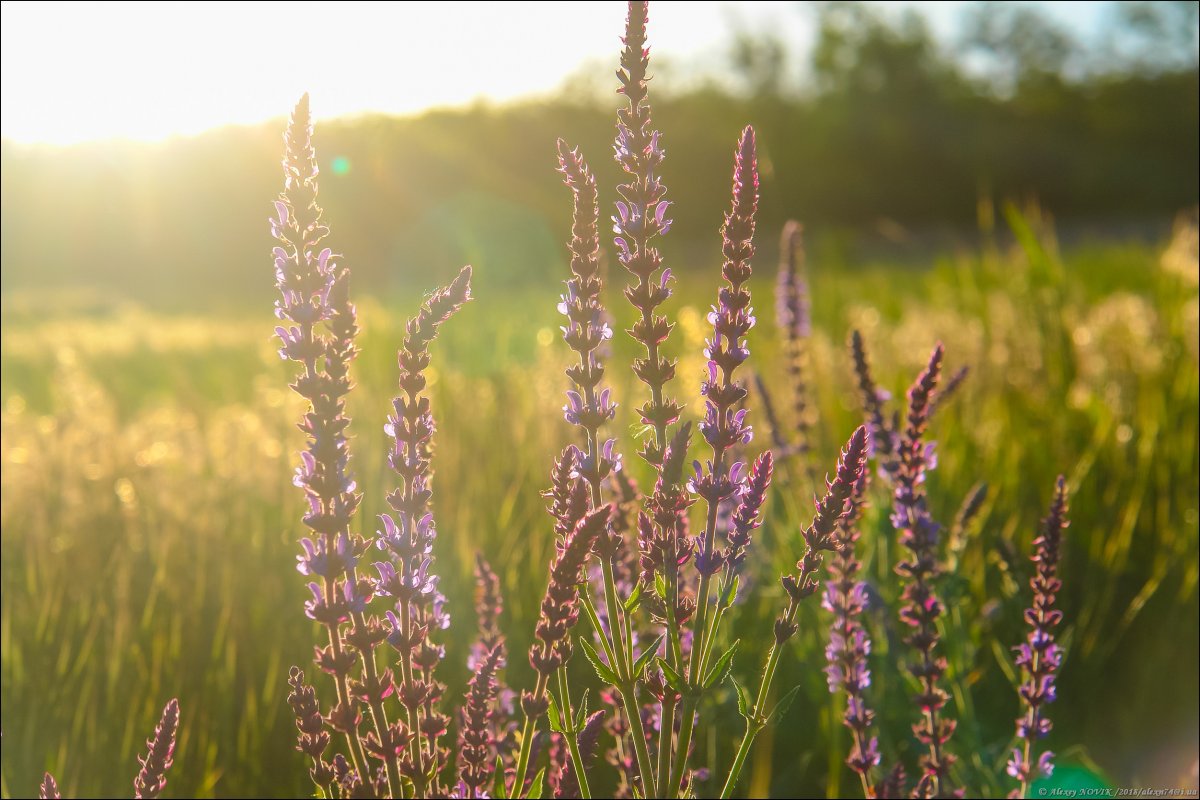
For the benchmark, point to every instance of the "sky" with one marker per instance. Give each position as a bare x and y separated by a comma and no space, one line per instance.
75,72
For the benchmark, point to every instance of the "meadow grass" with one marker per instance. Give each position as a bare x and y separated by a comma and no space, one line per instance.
149,526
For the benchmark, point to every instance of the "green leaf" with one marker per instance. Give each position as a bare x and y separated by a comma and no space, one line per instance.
639,666
783,705
730,591
743,698
555,718
498,779
582,712
635,598
604,671
535,788
720,670
660,586
674,679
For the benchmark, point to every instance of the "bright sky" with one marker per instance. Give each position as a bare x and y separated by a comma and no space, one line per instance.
73,72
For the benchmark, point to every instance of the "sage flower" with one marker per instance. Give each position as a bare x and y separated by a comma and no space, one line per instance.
1040,657
922,608
476,738
794,319
152,778
641,216
849,643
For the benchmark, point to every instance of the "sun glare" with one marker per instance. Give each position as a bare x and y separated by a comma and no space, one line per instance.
75,72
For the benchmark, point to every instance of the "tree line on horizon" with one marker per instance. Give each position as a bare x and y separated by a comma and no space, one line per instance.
890,136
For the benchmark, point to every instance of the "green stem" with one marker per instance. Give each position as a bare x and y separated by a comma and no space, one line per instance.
526,742
696,669
571,735
739,760
672,600
755,722
638,734
686,723
622,666
586,596
666,731
667,712
627,690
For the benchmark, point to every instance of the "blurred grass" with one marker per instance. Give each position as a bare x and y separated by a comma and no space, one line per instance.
148,518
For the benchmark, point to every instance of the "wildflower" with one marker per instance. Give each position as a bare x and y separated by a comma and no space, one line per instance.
152,778
922,608
794,319
641,216
1040,657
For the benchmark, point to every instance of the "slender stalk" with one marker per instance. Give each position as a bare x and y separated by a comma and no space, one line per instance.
687,722
666,733
629,698
627,689
818,536
755,722
697,666
572,735
527,733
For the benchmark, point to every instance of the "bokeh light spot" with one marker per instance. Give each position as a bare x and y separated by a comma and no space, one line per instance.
341,165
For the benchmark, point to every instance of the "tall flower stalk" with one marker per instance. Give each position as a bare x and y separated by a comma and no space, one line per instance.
589,407
1040,657
408,536
476,736
642,216
559,612
819,537
794,318
723,426
921,607
318,334
849,643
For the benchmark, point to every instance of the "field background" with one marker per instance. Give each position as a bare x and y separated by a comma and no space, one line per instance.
149,521
147,516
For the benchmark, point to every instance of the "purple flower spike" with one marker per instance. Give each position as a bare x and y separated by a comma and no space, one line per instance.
476,736
152,778
920,534
642,216
588,405
747,517
849,644
793,318
317,332
724,425
560,606
884,438
1039,658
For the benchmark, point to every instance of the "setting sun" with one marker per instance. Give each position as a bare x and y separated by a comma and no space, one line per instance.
83,71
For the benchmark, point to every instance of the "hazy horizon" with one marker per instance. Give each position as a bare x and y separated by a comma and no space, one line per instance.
62,62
